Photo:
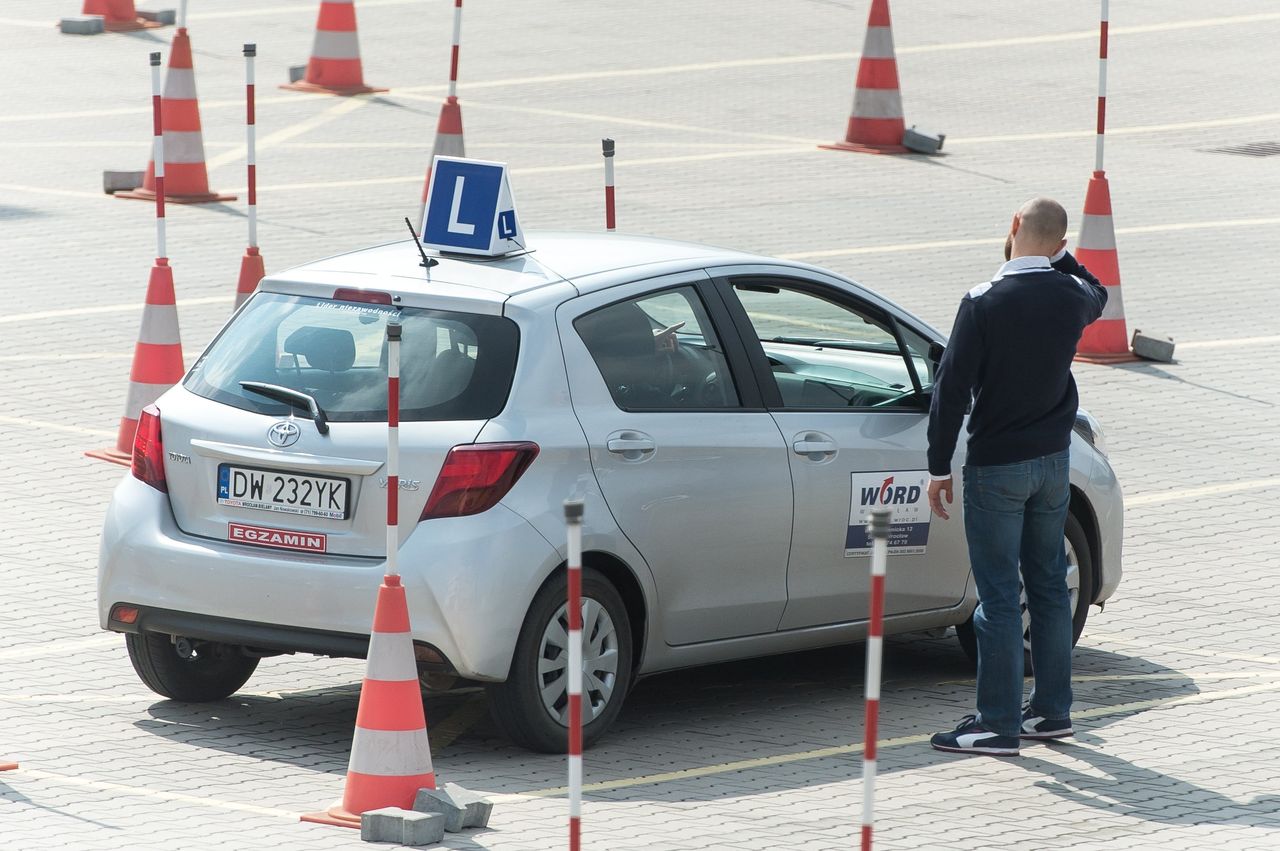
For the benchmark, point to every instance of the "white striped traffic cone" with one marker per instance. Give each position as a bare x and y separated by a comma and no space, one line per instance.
118,16
186,176
157,360
449,141
390,754
876,124
1106,340
334,68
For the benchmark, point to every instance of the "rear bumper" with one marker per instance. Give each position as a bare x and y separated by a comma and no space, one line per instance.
468,582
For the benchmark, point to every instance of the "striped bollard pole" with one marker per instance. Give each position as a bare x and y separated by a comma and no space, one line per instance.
610,219
573,522
251,266
158,157
875,650
1102,85
393,449
453,53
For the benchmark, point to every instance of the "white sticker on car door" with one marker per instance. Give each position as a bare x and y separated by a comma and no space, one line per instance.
905,494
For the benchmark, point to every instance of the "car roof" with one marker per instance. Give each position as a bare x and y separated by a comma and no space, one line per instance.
553,256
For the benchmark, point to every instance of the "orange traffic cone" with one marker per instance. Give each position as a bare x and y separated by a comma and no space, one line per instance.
157,360
8,766
186,177
118,16
876,124
448,138
1106,340
335,67
251,272
390,754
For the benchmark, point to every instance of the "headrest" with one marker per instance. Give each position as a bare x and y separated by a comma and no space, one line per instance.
622,330
330,349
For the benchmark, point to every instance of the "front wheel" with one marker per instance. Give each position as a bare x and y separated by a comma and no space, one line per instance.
532,706
188,670
1079,586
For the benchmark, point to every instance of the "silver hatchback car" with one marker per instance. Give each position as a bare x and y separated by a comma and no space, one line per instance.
728,418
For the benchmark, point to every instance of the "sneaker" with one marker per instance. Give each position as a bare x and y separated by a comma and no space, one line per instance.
972,737
1038,727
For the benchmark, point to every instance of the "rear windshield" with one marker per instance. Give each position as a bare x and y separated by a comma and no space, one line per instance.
453,366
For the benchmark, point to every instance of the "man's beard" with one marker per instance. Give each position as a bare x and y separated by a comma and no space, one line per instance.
1008,247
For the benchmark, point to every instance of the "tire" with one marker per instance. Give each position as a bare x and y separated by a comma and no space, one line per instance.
1077,544
212,671
518,705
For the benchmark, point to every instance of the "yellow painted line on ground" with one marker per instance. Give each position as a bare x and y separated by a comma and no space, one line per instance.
1184,494
1230,342
155,794
901,741
61,647
106,308
47,426
343,107
1260,118
926,245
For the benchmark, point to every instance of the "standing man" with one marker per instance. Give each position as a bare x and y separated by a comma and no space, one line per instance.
1010,354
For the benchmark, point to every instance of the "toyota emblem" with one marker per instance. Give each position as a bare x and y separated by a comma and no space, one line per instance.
283,433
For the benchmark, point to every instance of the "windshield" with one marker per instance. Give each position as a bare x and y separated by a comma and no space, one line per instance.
453,366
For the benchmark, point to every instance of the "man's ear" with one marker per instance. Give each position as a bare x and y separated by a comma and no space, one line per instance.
1017,220
1061,245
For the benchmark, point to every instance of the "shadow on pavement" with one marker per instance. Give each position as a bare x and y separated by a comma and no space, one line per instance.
778,709
13,796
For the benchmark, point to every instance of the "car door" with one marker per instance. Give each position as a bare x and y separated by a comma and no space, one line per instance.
691,465
847,383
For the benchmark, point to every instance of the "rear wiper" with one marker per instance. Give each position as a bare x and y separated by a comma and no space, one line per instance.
293,398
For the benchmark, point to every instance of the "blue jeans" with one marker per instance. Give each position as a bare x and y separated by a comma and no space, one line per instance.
1014,516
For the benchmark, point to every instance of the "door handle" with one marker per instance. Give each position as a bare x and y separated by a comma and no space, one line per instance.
631,444
815,446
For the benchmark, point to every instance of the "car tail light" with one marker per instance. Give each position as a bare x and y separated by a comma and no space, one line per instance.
474,477
366,296
148,450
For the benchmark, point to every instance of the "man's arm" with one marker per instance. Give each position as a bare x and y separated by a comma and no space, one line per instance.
953,387
1064,262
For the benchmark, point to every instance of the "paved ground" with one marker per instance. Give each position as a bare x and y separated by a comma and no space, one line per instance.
716,107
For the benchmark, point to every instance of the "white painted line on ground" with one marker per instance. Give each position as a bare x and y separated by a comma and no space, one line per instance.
155,794
1260,118
1174,675
1230,342
104,308
1217,655
567,146
91,143
55,356
41,425
1184,494
46,190
305,10
981,241
919,739
61,647
333,113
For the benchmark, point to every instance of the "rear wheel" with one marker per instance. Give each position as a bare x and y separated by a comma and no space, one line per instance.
531,707
1079,586
189,670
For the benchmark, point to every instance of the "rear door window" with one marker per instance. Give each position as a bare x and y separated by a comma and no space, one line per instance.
453,366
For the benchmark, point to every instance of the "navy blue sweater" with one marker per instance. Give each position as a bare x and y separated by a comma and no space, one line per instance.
1010,352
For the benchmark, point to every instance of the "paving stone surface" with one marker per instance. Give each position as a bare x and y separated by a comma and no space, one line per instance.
717,108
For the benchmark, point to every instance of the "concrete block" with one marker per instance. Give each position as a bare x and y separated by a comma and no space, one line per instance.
441,802
121,181
922,142
405,827
1152,347
479,808
297,72
82,25
160,16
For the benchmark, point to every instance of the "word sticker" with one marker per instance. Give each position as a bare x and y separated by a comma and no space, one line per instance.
905,494
470,209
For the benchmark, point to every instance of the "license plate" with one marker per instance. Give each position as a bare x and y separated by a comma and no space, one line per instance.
287,493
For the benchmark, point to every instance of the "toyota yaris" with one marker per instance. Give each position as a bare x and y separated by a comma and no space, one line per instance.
728,418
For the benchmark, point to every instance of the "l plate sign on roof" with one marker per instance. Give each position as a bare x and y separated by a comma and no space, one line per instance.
469,209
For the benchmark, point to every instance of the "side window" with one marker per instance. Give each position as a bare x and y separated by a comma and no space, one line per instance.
827,354
659,352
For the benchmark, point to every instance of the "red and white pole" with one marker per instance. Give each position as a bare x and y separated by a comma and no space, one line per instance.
157,156
251,266
1102,85
453,56
393,449
573,522
875,651
610,220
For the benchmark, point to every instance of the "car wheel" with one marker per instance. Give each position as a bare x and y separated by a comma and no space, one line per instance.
1079,586
532,706
188,670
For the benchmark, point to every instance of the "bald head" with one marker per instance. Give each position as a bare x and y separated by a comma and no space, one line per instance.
1039,228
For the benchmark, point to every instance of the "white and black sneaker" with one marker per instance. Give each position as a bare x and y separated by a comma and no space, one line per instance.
972,737
1036,726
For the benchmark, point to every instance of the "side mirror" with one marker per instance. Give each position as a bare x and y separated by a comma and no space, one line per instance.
935,351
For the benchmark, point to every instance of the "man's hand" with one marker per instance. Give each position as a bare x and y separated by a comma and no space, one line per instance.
936,491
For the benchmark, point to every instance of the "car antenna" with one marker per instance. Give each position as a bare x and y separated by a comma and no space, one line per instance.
427,262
